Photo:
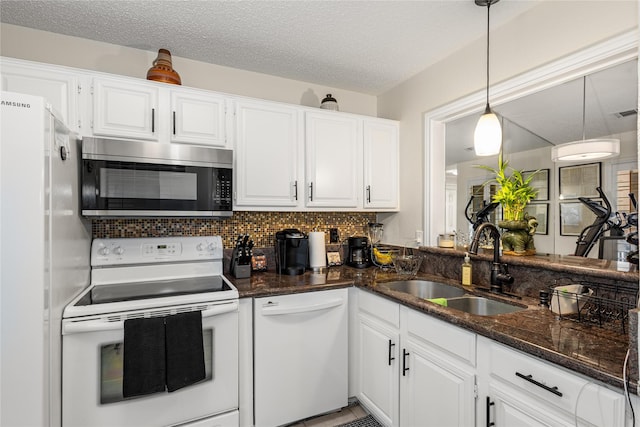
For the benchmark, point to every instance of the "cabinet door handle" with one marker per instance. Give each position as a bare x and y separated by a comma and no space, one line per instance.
368,194
405,353
529,378
489,405
391,345
153,120
174,122
295,190
311,192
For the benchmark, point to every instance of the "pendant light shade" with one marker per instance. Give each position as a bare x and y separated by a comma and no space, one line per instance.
585,149
487,138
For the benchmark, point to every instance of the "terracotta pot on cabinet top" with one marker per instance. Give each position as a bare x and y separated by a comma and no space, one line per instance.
162,70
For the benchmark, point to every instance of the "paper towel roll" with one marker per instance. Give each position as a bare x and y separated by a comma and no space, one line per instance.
317,250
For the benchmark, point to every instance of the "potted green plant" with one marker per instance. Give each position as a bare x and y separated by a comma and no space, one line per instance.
515,190
514,194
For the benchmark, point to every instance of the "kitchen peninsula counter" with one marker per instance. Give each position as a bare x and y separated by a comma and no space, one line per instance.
596,352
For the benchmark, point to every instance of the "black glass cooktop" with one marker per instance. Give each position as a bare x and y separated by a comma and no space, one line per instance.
101,294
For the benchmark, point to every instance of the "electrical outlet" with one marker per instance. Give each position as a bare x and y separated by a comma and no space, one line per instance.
419,237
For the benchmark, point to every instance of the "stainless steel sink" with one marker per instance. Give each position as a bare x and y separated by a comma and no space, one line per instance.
424,289
482,306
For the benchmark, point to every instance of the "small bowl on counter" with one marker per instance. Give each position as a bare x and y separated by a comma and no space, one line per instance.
407,265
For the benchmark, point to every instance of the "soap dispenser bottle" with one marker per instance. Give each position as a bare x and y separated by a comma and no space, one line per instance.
466,270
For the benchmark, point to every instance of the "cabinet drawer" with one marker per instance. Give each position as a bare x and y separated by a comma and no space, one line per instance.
557,386
380,308
459,343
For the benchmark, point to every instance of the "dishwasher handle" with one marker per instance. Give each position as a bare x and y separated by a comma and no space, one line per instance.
273,308
103,324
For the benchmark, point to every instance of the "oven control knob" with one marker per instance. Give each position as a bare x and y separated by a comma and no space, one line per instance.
211,247
104,251
118,250
200,247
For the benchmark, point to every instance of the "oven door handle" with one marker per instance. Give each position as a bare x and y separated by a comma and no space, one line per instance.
98,325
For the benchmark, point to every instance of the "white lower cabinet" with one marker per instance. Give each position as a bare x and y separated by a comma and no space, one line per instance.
405,378
521,390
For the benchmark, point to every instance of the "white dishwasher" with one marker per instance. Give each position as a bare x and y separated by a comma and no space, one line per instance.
300,356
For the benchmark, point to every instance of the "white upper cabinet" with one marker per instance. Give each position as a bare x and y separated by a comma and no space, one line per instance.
130,108
268,153
59,87
333,160
381,171
197,118
127,109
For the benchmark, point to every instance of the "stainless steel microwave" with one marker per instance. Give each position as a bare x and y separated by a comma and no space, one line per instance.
140,179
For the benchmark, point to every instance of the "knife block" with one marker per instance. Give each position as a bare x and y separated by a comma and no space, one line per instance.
239,271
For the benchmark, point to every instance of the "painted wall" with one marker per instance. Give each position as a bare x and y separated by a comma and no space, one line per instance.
545,33
41,46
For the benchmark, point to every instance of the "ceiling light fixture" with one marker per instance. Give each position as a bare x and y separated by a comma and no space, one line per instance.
487,137
585,149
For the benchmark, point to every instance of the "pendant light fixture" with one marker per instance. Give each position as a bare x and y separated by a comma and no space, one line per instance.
487,138
585,149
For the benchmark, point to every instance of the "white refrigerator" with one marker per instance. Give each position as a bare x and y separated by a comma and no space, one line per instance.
44,256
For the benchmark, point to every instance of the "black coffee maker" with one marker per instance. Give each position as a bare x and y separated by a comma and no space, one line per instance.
358,255
292,252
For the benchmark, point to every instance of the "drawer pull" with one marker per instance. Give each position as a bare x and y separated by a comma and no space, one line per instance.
529,378
391,345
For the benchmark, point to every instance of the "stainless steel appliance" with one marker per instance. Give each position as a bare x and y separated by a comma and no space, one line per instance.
358,255
150,278
292,252
137,178
44,256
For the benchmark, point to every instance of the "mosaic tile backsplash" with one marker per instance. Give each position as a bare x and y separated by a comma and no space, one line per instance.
261,226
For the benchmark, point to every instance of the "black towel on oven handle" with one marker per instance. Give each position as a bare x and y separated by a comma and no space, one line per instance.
144,366
185,350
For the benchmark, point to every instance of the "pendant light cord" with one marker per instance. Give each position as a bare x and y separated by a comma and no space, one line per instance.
584,106
488,109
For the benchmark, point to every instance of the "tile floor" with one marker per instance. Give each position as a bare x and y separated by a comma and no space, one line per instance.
344,415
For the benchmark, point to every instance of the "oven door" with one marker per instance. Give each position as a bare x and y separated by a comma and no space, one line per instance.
92,372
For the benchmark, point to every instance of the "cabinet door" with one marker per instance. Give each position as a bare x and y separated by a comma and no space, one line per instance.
379,369
381,165
59,88
267,154
333,165
506,408
434,391
124,109
198,119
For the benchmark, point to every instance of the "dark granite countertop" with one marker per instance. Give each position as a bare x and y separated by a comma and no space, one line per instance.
595,352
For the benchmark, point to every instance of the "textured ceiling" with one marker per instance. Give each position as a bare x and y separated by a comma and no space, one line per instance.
364,46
